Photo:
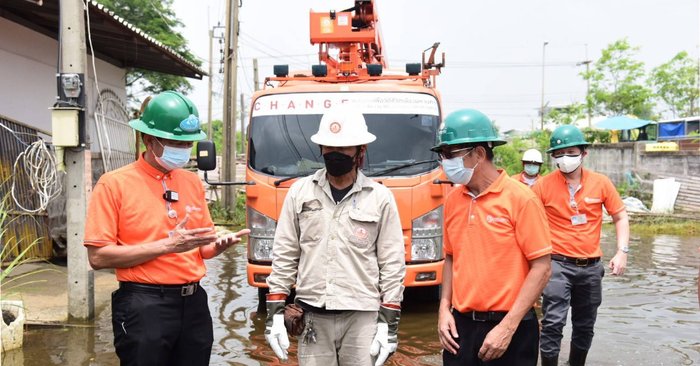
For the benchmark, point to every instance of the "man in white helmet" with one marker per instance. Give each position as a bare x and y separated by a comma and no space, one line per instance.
339,240
532,162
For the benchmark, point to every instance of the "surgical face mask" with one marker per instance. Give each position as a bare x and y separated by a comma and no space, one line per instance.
531,169
173,157
568,164
337,163
456,171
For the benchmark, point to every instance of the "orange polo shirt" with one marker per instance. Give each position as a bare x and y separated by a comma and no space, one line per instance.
580,241
127,208
520,177
491,238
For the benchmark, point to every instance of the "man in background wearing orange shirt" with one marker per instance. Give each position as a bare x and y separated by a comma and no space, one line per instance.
150,221
532,162
497,246
573,198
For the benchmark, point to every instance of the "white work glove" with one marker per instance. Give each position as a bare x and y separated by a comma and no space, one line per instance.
275,332
385,341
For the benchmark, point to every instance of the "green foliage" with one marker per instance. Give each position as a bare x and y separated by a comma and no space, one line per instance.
226,216
509,156
158,20
565,115
8,262
596,136
217,128
675,83
617,85
654,225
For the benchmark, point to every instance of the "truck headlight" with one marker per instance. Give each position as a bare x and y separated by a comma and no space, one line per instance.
426,241
262,235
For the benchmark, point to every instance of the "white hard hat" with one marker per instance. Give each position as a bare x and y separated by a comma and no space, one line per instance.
342,127
533,155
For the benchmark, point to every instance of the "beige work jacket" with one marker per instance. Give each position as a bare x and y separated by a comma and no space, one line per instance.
345,256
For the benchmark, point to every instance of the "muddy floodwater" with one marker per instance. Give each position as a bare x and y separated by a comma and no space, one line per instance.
648,317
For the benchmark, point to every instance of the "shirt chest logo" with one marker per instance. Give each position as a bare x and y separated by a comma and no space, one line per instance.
492,219
591,200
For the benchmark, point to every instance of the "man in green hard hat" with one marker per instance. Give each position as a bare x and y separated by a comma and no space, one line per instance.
497,247
574,198
150,222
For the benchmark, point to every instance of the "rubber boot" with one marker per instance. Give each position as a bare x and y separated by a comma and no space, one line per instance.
577,357
549,361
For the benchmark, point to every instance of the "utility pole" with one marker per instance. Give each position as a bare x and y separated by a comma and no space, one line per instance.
211,77
544,45
588,90
211,71
77,158
230,72
256,82
242,128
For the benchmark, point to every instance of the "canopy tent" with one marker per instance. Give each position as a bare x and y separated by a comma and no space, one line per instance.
622,123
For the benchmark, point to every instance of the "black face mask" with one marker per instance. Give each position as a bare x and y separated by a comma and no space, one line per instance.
338,164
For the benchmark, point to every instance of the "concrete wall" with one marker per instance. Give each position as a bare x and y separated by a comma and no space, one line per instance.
28,66
616,160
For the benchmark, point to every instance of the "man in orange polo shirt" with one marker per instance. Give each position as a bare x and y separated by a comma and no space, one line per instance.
150,221
532,162
497,247
573,198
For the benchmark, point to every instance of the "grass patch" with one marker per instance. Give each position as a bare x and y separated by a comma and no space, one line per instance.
226,216
654,225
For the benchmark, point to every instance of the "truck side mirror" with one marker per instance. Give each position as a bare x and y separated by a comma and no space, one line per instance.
206,155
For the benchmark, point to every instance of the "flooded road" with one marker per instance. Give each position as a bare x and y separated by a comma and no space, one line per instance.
648,317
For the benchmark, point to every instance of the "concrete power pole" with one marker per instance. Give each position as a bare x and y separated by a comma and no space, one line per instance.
242,125
256,81
81,301
230,76
211,83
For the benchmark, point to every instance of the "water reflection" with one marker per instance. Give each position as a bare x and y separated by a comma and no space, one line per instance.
648,317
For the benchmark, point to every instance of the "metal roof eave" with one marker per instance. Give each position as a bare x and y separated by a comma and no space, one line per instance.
115,40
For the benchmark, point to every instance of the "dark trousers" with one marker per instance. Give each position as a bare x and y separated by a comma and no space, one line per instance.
161,328
579,288
522,350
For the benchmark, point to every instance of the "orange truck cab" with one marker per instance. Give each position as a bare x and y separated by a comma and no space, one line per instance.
401,108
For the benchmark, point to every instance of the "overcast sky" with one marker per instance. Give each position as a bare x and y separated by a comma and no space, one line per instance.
493,48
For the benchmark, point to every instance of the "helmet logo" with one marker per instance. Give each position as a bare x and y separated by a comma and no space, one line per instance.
558,141
190,124
335,127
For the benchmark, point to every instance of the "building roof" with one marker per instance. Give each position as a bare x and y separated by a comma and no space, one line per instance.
114,39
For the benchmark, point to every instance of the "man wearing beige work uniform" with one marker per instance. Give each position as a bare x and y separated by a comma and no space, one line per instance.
339,240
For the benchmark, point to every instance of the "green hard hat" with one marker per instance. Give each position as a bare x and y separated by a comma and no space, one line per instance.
467,126
170,115
566,136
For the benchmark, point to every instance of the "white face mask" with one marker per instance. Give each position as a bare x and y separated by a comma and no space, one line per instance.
455,170
568,164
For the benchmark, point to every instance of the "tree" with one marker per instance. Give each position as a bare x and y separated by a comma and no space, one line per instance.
158,20
675,82
565,115
217,136
617,85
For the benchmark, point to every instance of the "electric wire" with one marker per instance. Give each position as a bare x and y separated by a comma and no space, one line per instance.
38,165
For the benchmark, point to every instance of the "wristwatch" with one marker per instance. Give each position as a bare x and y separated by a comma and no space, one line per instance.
625,249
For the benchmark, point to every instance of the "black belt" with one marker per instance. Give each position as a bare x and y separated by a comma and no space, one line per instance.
187,289
492,316
581,262
317,310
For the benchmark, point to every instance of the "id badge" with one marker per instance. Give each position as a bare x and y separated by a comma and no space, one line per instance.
579,219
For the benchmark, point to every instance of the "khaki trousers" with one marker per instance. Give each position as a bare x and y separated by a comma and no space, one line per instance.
342,339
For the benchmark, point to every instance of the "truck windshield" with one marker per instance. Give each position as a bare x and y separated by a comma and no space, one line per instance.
280,145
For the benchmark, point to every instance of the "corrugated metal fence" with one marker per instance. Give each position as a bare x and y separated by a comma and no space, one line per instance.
21,230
